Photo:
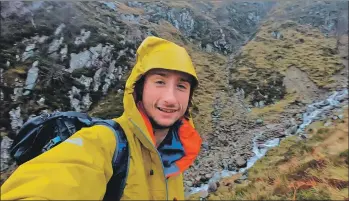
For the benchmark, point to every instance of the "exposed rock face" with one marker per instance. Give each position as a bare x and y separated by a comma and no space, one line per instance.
222,28
329,17
61,51
87,59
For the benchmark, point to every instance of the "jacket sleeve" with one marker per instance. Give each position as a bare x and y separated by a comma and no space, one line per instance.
77,169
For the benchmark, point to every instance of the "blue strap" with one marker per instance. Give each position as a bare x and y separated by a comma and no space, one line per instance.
53,142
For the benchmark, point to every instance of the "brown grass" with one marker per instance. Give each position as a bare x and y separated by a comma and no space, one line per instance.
123,8
10,75
274,109
301,46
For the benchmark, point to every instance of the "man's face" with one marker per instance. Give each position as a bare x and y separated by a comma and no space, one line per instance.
166,96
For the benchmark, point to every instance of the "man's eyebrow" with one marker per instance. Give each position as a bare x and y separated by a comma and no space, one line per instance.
185,80
163,74
160,73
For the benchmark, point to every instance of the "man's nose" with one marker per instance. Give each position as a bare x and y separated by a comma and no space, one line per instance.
169,95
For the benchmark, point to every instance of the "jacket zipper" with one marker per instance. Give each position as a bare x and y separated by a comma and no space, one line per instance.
162,165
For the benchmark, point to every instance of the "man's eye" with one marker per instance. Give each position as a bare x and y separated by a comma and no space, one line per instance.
160,82
182,86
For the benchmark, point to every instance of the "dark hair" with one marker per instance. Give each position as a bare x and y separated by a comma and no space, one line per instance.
139,85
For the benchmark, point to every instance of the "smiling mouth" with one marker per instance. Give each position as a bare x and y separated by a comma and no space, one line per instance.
166,110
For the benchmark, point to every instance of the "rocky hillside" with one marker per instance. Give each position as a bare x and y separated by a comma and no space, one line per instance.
80,60
259,64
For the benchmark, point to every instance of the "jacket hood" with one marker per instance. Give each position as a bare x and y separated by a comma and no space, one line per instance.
155,53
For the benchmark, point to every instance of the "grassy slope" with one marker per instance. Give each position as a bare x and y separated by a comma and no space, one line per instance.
314,169
301,46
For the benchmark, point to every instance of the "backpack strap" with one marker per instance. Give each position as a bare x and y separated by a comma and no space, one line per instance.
43,132
117,182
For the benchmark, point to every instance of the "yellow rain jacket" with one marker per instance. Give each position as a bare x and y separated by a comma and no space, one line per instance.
73,171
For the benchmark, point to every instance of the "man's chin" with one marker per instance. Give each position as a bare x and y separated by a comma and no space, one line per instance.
164,125
161,124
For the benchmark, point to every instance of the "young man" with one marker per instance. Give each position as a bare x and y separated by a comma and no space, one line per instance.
160,133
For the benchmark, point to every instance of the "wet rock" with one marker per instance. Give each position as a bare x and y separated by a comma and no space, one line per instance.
197,179
302,136
2,96
130,18
16,119
5,155
74,101
277,35
86,81
41,39
328,123
110,5
84,35
212,187
63,53
95,57
243,177
238,181
31,78
241,162
261,104
189,183
41,101
209,48
208,176
18,90
109,77
259,121
79,60
97,79
29,52
86,102
55,44
205,145
341,116
292,130
299,116
59,29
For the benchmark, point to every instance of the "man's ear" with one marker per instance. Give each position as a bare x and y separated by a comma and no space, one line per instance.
138,89
134,94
